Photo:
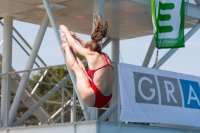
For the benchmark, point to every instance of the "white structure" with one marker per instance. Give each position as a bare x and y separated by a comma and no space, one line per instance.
121,27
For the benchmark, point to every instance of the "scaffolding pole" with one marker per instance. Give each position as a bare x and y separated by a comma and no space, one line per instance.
63,105
109,112
6,67
108,40
98,8
57,34
197,2
73,110
149,53
115,50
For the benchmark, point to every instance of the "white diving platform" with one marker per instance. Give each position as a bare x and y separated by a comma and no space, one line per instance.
96,127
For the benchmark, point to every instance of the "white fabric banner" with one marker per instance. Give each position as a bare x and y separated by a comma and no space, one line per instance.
156,96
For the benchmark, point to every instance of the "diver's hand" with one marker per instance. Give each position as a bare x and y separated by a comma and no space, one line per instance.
73,34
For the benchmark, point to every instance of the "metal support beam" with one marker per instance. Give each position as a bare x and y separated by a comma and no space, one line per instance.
197,2
98,8
115,30
29,65
42,100
172,51
73,111
115,95
67,110
74,106
63,108
46,67
41,78
149,53
6,67
109,112
59,110
108,40
115,50
192,10
57,34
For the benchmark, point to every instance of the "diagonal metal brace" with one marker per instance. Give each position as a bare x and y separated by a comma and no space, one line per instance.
109,112
73,77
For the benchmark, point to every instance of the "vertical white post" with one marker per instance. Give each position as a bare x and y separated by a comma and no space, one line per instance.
74,106
98,8
115,30
73,111
6,67
115,50
115,53
115,95
108,40
63,104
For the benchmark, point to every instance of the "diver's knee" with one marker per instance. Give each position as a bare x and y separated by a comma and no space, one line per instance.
74,66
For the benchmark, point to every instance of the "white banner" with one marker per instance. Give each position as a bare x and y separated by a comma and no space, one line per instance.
156,96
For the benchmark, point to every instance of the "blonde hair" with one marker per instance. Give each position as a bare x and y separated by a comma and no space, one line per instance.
99,32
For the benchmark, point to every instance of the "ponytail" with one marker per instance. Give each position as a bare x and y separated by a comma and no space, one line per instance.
99,32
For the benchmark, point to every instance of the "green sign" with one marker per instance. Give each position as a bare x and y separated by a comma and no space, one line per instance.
168,22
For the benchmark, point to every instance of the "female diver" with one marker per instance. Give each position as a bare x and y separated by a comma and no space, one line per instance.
95,84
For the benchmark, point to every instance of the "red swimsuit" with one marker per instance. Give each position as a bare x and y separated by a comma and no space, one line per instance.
100,99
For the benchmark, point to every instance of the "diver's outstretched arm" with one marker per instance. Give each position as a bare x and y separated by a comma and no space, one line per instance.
81,41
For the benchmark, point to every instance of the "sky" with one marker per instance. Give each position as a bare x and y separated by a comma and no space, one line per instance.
132,51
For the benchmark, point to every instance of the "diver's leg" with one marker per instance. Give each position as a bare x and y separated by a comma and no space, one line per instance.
80,64
83,82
